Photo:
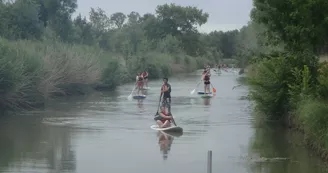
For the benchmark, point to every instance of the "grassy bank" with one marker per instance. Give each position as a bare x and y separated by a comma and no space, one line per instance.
34,71
286,90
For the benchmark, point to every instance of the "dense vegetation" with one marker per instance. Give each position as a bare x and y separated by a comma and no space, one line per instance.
46,52
289,82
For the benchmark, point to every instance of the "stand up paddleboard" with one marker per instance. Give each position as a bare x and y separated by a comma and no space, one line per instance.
207,96
202,92
175,129
139,97
171,134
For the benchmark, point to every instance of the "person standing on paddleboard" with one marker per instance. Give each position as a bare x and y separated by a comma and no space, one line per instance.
166,93
206,79
145,77
139,83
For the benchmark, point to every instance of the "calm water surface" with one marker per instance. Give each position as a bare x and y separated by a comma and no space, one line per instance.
105,132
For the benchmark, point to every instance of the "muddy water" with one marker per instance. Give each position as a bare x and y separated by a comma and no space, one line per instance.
105,132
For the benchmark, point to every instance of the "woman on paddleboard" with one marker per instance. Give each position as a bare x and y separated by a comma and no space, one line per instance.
145,77
206,79
139,82
164,118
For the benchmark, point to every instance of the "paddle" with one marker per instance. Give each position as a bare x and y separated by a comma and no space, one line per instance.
193,91
173,120
130,96
159,103
214,90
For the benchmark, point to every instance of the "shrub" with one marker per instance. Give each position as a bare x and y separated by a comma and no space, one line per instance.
313,117
18,77
301,88
269,86
323,81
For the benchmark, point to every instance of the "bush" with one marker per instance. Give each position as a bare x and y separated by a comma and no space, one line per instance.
322,87
314,120
18,77
111,75
269,86
280,80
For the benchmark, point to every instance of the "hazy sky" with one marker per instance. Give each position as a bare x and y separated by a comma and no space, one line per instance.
224,14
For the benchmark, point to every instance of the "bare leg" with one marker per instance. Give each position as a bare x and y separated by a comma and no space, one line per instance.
159,123
139,89
166,124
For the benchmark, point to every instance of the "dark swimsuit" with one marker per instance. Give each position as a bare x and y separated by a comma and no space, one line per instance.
207,80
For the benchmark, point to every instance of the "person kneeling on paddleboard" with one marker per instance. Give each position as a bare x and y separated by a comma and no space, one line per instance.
166,91
164,118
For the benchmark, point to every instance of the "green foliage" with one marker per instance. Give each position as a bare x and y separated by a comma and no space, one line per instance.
313,117
112,74
270,86
103,50
18,77
323,81
301,25
302,87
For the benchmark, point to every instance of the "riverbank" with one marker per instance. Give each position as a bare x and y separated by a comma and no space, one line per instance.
293,95
33,71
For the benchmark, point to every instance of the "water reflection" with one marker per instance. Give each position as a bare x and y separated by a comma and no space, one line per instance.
140,104
207,101
276,149
165,142
26,143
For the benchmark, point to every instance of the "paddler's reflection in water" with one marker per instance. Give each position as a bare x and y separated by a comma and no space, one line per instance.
207,101
165,142
140,103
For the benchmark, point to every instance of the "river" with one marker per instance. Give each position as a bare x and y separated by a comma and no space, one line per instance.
105,132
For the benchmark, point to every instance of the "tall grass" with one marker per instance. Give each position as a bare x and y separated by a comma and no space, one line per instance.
32,71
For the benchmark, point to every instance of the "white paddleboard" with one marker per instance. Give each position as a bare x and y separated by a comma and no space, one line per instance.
168,129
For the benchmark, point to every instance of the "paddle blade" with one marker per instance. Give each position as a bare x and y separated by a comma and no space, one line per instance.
193,91
130,97
214,90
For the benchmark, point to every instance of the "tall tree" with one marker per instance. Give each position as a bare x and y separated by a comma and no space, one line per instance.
118,19
302,25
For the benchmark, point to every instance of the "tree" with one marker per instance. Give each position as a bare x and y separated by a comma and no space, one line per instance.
302,25
99,20
118,19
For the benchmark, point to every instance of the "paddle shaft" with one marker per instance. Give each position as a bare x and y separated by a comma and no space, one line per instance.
198,84
159,103
133,88
173,120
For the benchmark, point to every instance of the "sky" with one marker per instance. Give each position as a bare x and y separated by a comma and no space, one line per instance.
224,15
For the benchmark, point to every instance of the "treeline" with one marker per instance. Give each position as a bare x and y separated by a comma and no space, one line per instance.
290,81
46,52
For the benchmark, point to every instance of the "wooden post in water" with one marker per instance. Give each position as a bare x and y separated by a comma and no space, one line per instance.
209,161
